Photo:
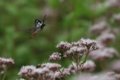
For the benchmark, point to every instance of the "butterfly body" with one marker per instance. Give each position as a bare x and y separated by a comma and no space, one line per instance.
39,25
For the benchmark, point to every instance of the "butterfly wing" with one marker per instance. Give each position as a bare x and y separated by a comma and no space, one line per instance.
38,23
34,33
44,18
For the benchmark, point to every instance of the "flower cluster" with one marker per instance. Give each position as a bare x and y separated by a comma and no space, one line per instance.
98,28
76,50
51,71
91,45
106,37
115,66
45,72
103,54
55,56
112,3
64,46
4,63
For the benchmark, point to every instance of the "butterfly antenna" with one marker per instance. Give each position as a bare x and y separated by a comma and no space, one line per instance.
44,18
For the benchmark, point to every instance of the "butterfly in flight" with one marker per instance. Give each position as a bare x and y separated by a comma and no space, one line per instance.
39,25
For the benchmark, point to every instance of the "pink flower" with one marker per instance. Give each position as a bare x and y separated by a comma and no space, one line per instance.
103,54
51,66
75,51
66,72
55,56
105,38
98,28
64,46
78,43
58,75
88,65
115,65
112,3
89,44
5,63
27,71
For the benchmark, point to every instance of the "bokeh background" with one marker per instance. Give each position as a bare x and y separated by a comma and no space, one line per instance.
66,20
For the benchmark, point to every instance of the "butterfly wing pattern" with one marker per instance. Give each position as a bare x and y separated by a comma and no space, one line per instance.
39,25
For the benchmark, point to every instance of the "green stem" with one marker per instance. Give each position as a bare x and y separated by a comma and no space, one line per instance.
71,62
4,74
85,57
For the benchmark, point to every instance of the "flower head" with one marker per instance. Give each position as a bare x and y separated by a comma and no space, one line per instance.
89,44
64,46
112,3
105,38
75,51
88,65
55,56
78,43
51,66
103,54
98,28
27,71
115,66
4,63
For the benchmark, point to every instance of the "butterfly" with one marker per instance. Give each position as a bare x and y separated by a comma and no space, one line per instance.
39,25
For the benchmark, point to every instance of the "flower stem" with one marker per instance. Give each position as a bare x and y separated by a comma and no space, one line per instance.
85,57
4,74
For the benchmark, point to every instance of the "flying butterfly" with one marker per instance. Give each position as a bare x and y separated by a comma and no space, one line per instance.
39,25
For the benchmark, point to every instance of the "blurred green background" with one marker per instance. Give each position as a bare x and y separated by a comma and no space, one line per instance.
67,20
